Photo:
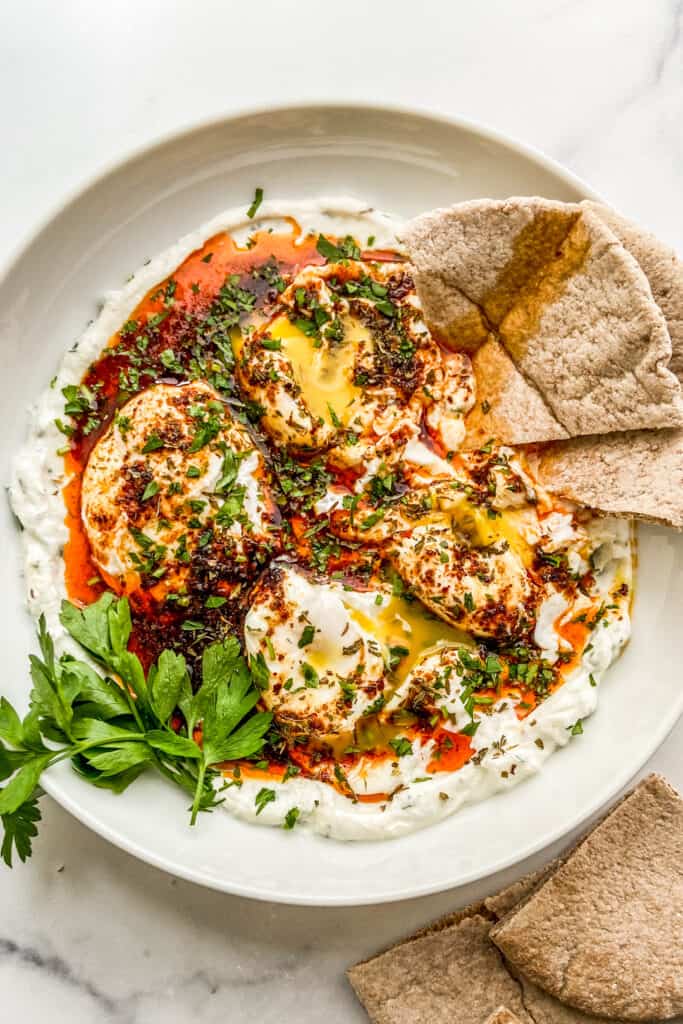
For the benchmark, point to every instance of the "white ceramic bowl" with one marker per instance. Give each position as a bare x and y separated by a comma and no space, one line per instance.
404,163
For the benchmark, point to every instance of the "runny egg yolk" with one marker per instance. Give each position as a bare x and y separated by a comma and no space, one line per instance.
480,529
398,623
506,526
324,373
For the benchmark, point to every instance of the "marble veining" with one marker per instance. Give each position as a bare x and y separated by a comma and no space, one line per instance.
87,934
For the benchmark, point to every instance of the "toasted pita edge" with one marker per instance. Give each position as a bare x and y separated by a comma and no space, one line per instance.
532,935
491,908
662,267
634,474
502,1016
456,968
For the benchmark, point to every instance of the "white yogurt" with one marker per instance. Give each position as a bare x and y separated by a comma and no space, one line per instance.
36,497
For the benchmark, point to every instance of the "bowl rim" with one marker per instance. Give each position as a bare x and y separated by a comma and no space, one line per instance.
114,166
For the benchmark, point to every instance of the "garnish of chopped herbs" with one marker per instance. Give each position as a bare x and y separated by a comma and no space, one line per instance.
256,202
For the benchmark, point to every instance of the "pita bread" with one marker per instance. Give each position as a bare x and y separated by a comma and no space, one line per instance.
377,989
471,260
662,268
397,986
546,1010
638,473
604,933
569,304
502,902
502,1016
507,406
454,973
380,982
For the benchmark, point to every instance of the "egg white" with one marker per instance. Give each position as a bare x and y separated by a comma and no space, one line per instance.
307,386
123,523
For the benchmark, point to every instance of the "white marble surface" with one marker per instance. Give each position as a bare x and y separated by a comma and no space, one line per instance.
87,933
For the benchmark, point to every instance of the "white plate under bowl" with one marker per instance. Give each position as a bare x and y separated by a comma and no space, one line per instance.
405,163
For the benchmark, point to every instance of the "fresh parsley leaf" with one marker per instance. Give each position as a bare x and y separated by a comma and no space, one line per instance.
10,724
22,785
152,444
114,730
386,307
170,743
169,682
310,675
259,671
263,797
334,419
328,249
119,758
346,250
20,829
229,469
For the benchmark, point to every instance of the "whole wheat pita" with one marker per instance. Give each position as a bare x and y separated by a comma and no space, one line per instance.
635,474
471,260
638,473
390,997
377,981
604,933
502,1016
570,305
451,973
507,406
662,267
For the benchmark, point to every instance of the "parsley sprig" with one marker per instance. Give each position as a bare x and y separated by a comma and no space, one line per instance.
117,725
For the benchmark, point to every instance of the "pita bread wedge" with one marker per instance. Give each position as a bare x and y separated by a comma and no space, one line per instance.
553,285
381,984
471,260
502,1016
638,473
384,1004
507,406
604,933
662,268
454,973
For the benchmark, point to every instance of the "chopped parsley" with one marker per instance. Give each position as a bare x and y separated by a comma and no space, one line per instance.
256,202
346,250
401,746
152,444
311,678
263,797
291,818
307,636
150,490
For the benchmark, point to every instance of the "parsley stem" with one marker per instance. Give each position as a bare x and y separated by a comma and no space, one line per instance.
198,791
79,748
